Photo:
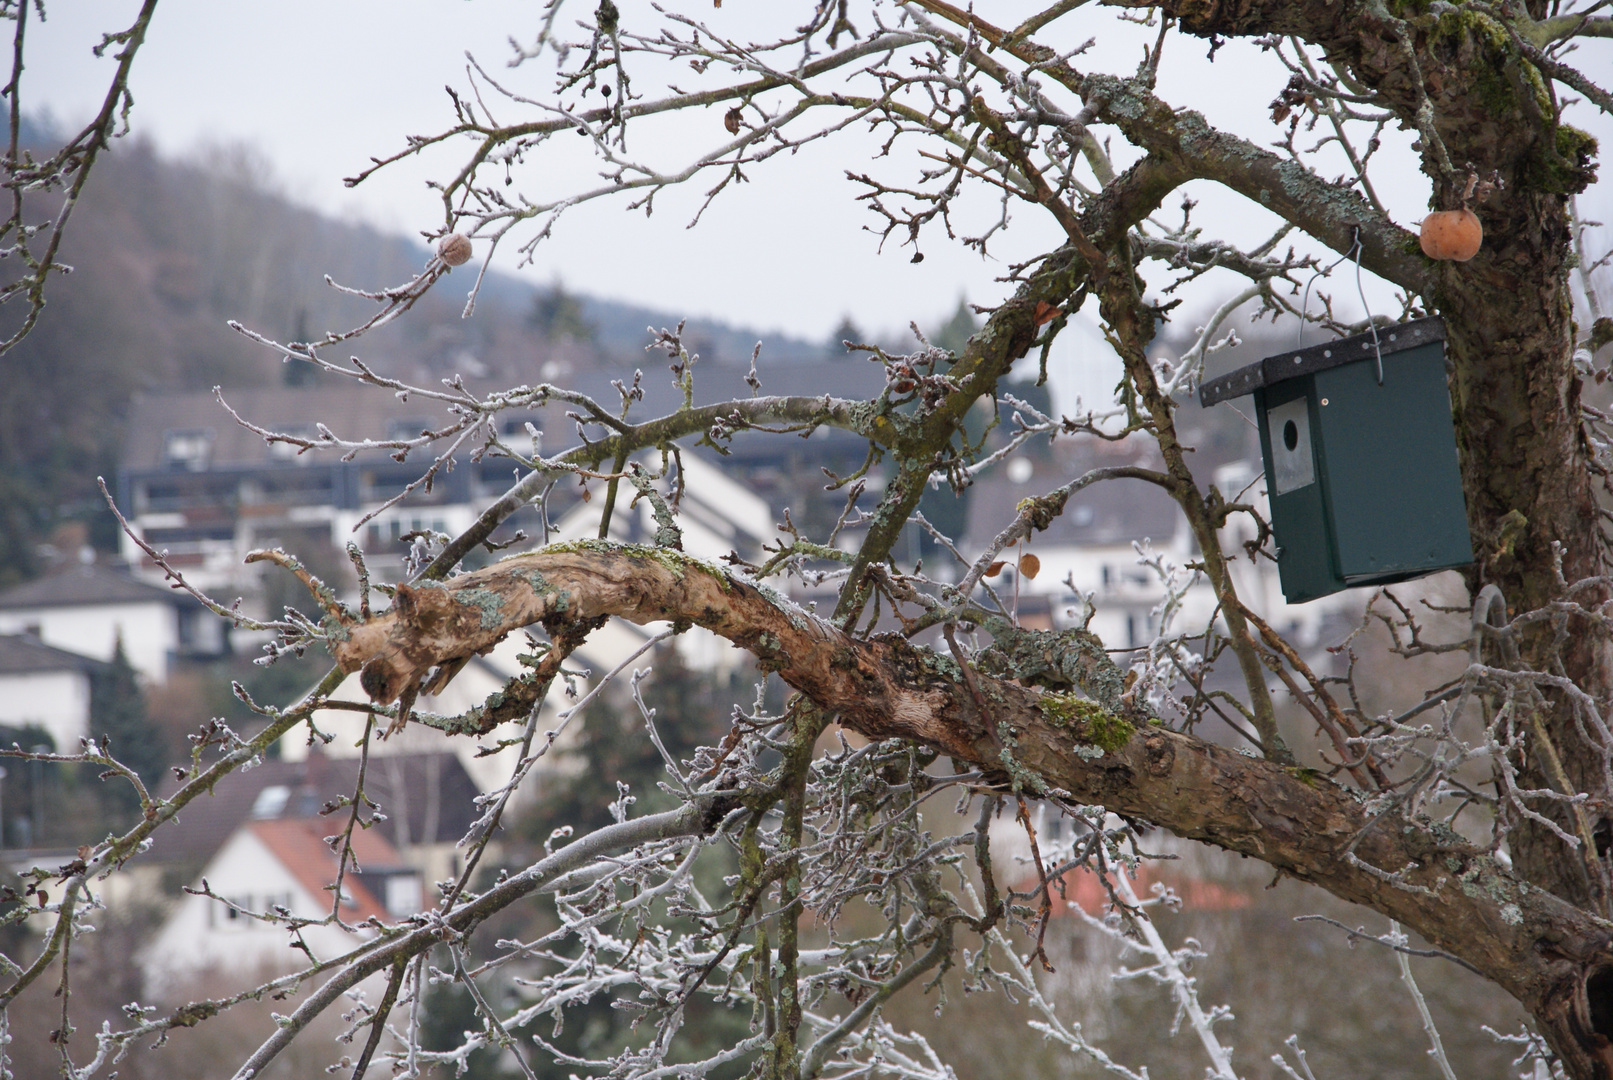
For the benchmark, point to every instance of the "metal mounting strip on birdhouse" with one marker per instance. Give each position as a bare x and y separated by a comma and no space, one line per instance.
1361,471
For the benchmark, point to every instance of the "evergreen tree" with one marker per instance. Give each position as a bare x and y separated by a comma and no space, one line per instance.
835,348
21,786
119,723
692,708
295,371
450,1012
955,333
23,525
558,316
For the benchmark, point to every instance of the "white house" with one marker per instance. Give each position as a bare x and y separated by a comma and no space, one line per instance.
279,863
428,800
46,686
1093,546
87,608
483,676
716,514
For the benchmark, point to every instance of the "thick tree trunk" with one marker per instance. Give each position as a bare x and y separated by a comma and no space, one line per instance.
1531,494
1528,471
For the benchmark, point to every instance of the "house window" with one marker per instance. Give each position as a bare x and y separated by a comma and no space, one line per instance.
187,449
402,894
284,451
406,430
271,802
232,911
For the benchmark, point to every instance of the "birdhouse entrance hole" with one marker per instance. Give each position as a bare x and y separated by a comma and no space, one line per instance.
1293,464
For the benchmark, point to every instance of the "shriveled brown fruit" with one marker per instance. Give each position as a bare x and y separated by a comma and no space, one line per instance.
1451,235
454,249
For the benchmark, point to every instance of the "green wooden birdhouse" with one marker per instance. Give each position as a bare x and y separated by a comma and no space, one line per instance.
1360,458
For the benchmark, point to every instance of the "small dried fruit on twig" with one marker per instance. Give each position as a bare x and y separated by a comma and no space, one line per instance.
731,120
1029,565
454,249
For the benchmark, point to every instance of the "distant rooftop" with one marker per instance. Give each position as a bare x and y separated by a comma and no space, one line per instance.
428,799
299,844
193,433
24,654
86,584
1108,512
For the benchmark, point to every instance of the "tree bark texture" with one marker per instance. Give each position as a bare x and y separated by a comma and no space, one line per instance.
1527,468
1471,82
1540,948
1471,85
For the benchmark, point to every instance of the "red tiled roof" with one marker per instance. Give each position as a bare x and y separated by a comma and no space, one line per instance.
428,798
299,844
1083,889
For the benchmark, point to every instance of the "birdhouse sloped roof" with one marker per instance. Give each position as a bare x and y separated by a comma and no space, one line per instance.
1292,363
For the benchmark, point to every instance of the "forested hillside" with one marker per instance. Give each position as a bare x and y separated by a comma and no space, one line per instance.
166,252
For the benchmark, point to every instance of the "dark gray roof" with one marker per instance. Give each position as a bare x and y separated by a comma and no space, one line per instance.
22,654
1108,512
355,412
86,584
427,798
352,412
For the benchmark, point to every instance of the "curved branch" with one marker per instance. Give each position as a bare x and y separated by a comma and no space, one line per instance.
1452,893
692,819
1331,214
854,416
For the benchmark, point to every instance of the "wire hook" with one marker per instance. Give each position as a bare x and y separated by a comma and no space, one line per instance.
1372,322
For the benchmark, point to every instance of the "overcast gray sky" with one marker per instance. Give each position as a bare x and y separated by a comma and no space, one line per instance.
318,86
